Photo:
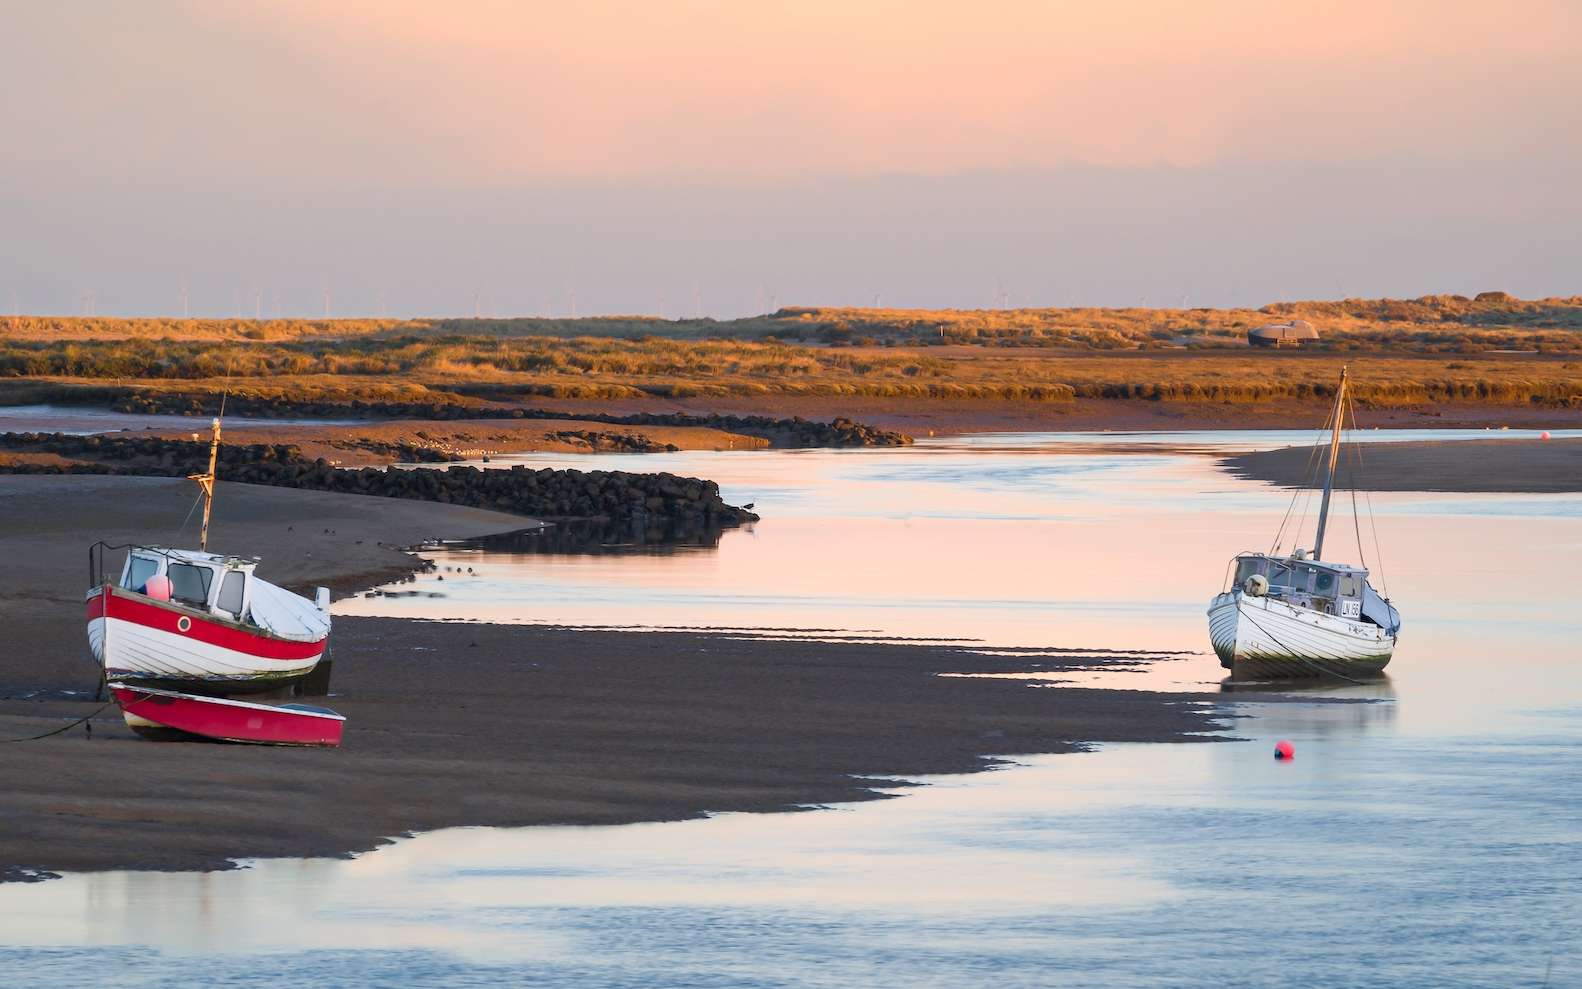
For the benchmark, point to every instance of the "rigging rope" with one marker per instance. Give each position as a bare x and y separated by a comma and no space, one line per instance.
1305,493
1300,659
183,526
1373,521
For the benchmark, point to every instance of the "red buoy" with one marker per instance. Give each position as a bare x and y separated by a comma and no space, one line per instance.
1284,750
1545,435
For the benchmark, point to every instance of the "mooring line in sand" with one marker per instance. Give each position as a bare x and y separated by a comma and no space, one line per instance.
57,731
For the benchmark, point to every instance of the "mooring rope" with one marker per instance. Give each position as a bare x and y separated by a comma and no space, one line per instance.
1300,659
57,731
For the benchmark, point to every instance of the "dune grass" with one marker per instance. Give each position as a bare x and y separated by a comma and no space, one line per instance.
1492,349
1431,324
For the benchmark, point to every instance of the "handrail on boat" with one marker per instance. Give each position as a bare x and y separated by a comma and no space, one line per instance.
96,560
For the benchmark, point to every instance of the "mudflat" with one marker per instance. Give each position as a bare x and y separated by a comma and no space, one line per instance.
1494,465
471,724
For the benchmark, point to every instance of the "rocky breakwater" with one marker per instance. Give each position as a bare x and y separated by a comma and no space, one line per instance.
662,502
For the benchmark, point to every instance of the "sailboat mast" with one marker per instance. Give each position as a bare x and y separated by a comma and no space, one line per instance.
206,482
1329,468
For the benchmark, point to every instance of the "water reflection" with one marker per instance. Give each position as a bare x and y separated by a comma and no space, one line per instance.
1138,865
592,536
1425,833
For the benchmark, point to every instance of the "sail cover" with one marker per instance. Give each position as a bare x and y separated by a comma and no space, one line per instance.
1379,611
279,612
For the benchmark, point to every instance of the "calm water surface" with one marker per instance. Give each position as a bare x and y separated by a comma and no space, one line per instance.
1428,836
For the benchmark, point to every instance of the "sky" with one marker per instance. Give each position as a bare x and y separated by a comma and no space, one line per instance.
401,158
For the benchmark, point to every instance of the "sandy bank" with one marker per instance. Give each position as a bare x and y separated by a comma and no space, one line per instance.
455,724
923,417
1505,465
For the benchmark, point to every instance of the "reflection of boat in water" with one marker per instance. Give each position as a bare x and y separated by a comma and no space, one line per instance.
1315,707
1297,615
1319,706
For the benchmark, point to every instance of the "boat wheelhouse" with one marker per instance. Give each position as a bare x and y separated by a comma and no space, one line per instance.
1299,615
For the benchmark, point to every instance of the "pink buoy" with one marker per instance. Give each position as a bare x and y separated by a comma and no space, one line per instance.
158,587
1284,750
1544,435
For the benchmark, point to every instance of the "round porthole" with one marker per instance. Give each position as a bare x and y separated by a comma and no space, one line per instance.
184,623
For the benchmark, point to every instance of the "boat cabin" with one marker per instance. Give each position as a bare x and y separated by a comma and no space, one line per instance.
1329,588
219,585
226,589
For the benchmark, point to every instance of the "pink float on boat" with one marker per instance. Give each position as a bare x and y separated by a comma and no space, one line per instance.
149,710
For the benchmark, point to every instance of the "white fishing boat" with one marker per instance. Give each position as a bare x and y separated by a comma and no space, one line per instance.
200,622
1299,615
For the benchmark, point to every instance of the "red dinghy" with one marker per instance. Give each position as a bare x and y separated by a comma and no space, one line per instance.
148,709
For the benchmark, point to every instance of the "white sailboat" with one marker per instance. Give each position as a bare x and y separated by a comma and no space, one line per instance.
1298,615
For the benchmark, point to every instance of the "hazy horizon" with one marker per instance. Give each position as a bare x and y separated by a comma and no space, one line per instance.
701,158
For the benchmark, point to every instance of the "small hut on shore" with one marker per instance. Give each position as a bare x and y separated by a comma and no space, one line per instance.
1291,333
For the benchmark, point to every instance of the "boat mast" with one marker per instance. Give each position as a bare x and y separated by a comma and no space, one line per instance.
206,482
1329,468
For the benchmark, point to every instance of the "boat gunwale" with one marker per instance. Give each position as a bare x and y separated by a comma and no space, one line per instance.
224,701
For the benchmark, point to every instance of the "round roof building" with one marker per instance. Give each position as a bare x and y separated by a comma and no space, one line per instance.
1288,334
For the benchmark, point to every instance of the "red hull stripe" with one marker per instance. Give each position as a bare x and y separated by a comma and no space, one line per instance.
203,629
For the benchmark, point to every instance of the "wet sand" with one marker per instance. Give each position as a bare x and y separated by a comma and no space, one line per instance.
1494,465
467,724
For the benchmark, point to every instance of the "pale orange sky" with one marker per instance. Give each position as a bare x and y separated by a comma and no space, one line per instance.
239,108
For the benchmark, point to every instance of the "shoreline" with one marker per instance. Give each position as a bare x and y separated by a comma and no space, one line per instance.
457,724
1514,466
453,724
379,442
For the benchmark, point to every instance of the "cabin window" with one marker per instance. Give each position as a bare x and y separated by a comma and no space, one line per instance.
1324,584
1289,578
1246,568
230,599
141,570
190,583
1350,585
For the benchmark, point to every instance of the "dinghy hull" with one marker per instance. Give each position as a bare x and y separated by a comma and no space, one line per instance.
168,711
1263,638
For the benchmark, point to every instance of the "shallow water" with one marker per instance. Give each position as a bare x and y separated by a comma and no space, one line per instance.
1427,836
